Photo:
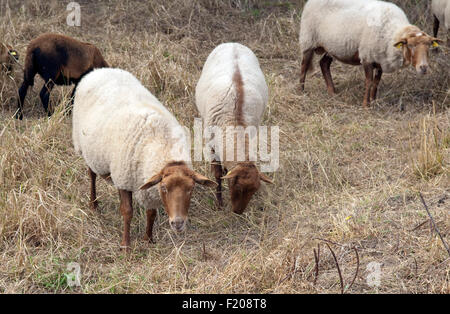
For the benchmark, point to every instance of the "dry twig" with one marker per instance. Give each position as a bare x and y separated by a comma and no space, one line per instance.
338,269
434,224
357,268
316,259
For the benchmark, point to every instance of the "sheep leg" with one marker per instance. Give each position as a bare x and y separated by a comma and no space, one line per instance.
306,63
22,93
325,64
93,204
45,95
151,215
216,167
368,70
435,26
126,209
376,81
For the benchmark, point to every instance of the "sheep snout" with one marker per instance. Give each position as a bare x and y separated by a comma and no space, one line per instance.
178,224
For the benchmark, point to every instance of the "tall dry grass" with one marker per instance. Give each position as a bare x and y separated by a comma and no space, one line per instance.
346,175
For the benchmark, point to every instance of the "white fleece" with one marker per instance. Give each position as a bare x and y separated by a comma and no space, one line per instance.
121,129
441,9
216,92
344,28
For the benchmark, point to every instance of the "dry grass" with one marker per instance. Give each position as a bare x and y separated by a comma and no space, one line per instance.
346,174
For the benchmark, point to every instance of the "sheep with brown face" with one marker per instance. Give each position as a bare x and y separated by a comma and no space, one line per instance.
128,137
232,92
59,60
374,34
8,57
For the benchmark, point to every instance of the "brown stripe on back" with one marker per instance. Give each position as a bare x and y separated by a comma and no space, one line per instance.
239,85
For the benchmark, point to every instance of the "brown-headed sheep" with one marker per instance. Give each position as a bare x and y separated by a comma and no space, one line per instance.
374,34
232,93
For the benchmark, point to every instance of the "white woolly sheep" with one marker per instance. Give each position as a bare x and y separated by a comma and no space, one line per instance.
232,92
373,33
441,13
128,137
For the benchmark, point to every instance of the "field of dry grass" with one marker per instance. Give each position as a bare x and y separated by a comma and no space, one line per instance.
347,175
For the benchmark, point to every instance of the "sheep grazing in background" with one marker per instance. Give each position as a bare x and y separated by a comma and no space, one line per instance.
373,33
60,60
232,92
8,57
128,137
441,13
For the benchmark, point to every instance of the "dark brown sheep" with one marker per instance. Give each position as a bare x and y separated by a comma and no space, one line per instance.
8,56
59,60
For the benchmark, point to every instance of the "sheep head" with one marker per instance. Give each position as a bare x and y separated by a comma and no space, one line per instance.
176,182
415,47
244,180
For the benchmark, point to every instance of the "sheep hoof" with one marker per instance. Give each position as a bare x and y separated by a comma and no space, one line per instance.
149,239
94,206
125,248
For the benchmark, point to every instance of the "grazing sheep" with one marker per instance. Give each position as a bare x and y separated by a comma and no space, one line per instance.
60,60
232,92
129,138
441,13
373,33
8,56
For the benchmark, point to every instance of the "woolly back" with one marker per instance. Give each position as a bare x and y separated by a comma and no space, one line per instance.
232,89
118,121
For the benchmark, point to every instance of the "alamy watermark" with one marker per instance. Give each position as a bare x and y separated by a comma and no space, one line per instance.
74,275
374,277
74,17
236,143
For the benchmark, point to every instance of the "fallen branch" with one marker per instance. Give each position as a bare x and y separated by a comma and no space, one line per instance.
357,268
316,259
420,225
338,269
434,224
204,252
329,241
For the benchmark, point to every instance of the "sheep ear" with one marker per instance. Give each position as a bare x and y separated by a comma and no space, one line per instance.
265,178
201,179
400,43
435,42
153,181
232,173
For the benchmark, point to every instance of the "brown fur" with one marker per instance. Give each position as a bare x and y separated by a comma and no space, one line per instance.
82,56
244,180
59,60
415,48
239,84
176,182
